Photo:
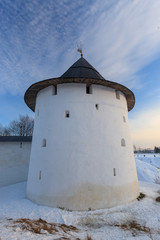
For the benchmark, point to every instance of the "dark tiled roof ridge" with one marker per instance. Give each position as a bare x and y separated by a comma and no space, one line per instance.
82,69
86,67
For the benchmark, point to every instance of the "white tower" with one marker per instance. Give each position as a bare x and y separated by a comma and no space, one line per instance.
82,154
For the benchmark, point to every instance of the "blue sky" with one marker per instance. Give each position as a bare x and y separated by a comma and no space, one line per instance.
121,39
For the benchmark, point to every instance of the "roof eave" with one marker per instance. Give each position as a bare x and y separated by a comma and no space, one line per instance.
31,93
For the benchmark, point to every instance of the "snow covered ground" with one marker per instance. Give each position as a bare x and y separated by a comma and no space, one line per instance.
148,167
20,219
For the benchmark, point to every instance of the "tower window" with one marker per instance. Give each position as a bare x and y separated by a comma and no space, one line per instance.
55,87
96,106
54,91
88,89
38,112
114,172
123,143
67,114
124,119
117,95
39,175
44,142
21,145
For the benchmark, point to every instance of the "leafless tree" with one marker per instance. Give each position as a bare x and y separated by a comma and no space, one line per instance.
4,131
21,127
1,130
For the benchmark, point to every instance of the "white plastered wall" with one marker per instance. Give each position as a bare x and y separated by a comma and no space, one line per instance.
14,162
83,152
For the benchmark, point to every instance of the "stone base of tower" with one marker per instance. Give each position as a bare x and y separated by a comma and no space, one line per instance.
89,197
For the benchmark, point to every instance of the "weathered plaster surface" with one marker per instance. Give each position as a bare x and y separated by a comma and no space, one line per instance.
81,151
14,162
90,196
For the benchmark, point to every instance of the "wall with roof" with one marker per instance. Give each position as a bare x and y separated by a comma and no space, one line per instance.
14,162
85,160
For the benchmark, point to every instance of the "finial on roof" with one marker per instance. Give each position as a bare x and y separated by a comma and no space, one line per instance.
80,50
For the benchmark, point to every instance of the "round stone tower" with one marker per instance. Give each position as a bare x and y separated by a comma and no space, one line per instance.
82,154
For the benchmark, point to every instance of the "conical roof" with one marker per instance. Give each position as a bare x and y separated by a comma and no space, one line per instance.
82,69
80,72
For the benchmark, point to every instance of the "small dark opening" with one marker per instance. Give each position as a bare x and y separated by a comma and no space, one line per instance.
117,95
123,143
97,106
55,87
54,90
44,142
88,89
21,145
67,115
40,175
114,172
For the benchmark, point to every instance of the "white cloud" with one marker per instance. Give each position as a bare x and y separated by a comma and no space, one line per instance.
125,39
38,41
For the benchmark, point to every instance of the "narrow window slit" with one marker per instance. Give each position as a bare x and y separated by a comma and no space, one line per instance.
38,112
123,143
55,87
44,142
40,175
54,91
117,95
88,89
124,119
114,172
97,106
67,114
21,145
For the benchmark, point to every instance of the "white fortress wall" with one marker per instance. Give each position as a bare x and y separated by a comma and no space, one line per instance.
85,159
14,162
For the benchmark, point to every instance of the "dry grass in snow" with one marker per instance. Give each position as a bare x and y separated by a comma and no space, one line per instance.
41,226
135,228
